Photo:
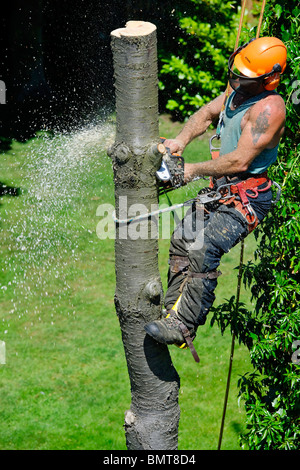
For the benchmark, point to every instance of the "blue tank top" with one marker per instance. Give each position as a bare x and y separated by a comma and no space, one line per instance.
231,132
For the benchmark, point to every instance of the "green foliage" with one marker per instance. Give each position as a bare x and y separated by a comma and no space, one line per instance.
192,73
65,384
194,65
272,330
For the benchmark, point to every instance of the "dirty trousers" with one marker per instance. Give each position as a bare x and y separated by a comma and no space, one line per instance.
197,245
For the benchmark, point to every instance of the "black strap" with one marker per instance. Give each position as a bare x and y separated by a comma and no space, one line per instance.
191,275
208,275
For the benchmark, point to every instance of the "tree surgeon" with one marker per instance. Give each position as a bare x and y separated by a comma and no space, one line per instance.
251,120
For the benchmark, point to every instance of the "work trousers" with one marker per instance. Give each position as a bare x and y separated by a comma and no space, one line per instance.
197,245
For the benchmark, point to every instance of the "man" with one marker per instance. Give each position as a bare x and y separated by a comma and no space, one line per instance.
252,124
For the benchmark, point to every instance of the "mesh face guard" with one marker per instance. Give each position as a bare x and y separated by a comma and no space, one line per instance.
238,80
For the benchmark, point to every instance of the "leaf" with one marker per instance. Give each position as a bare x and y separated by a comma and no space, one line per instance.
172,104
278,10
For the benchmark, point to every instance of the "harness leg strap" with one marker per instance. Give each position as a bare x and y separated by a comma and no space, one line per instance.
194,275
189,341
179,263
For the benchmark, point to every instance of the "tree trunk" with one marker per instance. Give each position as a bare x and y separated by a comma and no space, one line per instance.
152,421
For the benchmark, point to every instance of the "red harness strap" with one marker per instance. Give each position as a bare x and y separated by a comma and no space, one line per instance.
214,155
245,189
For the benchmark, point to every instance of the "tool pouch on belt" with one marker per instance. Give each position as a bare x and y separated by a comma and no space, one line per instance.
171,173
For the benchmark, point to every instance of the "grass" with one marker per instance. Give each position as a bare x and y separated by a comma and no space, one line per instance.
65,383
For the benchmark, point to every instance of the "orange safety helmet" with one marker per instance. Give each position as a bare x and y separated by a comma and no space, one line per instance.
263,58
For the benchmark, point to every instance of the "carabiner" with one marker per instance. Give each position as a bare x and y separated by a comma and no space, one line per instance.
251,213
226,186
211,147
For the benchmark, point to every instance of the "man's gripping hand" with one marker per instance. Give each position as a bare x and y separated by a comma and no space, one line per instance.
175,145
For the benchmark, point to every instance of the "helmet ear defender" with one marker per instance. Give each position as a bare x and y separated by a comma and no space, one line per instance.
261,60
272,82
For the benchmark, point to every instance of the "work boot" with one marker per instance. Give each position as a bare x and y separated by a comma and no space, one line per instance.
168,330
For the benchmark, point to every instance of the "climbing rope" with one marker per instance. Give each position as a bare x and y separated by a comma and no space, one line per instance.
232,346
260,19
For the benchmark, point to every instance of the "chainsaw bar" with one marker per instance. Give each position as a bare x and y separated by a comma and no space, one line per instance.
171,172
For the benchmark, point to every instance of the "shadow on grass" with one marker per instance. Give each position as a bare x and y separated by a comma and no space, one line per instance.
9,190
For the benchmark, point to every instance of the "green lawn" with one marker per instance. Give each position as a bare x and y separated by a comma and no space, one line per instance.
65,384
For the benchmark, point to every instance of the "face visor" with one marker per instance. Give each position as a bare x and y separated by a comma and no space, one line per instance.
243,84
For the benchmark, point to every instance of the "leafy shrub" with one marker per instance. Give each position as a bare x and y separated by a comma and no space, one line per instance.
193,67
193,71
272,330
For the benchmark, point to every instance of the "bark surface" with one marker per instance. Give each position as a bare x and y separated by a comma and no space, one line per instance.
152,421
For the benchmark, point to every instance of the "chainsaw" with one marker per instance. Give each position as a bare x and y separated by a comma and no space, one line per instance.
171,172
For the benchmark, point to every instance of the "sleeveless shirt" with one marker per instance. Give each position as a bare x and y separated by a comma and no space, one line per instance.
232,131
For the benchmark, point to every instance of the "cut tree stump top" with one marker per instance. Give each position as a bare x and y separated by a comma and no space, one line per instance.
135,28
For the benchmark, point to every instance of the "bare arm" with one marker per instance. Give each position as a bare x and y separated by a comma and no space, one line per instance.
196,125
263,130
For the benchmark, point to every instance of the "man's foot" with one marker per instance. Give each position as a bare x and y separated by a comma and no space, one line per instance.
168,330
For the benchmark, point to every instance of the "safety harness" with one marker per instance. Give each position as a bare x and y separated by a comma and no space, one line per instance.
240,193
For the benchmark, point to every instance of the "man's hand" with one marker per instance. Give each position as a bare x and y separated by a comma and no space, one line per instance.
190,172
175,145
